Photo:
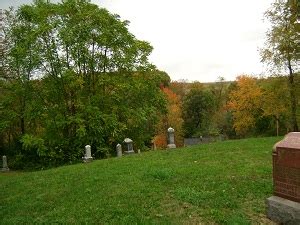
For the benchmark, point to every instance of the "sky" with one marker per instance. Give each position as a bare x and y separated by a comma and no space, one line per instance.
195,40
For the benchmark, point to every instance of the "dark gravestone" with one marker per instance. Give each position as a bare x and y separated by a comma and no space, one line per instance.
286,167
284,206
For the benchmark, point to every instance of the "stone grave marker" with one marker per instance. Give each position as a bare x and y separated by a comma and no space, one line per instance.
4,164
119,150
88,155
171,138
129,146
284,206
153,145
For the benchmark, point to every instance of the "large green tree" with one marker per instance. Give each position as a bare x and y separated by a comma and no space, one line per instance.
198,110
77,77
282,48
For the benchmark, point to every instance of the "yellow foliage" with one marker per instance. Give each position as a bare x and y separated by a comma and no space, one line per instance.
245,102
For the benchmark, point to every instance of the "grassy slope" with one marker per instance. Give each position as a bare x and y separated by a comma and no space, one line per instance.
223,183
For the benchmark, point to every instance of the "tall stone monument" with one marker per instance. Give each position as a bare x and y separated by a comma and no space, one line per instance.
171,138
4,164
88,156
284,206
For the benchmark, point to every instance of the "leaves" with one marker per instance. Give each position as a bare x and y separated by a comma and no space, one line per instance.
245,103
77,77
172,118
198,109
282,51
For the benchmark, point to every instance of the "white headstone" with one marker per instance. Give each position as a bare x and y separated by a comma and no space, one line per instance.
4,161
88,155
119,150
171,138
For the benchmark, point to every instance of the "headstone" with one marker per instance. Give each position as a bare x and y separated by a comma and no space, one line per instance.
171,138
139,151
4,161
284,206
129,146
119,150
88,156
153,145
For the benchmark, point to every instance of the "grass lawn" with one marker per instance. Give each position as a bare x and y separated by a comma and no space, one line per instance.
219,183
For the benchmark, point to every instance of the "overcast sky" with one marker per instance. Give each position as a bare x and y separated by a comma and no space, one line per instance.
195,39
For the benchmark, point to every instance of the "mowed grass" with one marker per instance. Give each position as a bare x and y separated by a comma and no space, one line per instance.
219,183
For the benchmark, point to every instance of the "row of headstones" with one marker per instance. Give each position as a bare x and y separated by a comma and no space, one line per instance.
88,154
129,145
128,141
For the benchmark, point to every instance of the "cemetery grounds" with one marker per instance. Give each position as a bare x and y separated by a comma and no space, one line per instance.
218,183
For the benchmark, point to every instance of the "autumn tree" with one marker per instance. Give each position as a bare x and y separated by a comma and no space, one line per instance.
180,88
282,51
245,104
172,118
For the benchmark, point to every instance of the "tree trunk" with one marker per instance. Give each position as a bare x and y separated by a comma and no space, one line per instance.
293,98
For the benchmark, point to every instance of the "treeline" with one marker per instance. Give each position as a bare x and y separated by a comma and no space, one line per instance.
71,75
246,107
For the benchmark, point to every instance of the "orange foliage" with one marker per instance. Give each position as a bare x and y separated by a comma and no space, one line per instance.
173,118
160,140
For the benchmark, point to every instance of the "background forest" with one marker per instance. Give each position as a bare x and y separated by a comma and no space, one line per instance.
72,74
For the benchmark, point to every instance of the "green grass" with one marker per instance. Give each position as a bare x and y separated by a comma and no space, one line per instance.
219,183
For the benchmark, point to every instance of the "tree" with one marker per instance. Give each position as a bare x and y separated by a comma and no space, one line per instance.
221,117
282,48
77,77
245,104
198,110
274,100
180,88
172,118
